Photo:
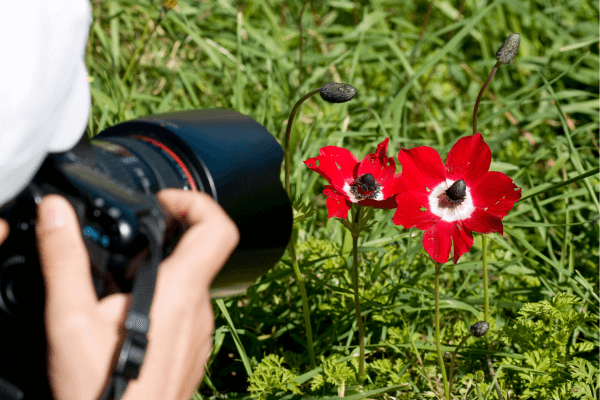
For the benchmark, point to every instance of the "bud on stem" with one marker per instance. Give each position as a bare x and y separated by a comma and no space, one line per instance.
332,92
337,92
478,329
509,49
505,55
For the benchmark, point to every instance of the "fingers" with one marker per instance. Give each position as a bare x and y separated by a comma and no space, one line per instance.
63,258
207,244
114,308
3,230
196,370
179,343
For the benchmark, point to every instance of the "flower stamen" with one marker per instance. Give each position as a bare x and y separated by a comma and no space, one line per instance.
454,195
365,187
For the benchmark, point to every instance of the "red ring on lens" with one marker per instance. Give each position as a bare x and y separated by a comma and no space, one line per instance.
174,156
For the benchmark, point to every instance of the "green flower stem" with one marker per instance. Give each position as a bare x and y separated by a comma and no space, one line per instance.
286,147
359,321
491,368
486,301
452,361
481,94
332,93
438,267
300,280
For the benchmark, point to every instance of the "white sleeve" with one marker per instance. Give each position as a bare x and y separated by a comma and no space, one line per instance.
44,91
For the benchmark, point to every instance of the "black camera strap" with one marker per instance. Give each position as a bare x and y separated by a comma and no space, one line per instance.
130,356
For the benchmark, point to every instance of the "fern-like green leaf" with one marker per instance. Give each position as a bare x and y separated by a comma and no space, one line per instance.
271,377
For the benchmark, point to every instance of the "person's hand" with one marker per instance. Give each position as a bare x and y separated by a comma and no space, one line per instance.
3,230
83,332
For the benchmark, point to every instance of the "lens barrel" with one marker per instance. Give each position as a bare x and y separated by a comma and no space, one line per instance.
229,156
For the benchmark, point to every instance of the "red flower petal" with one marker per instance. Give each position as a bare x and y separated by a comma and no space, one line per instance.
496,194
340,167
345,160
469,159
313,163
337,204
462,240
378,164
437,241
392,187
412,211
483,222
422,169
334,165
388,203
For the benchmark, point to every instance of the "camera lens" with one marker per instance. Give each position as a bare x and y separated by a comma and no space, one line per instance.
143,165
223,153
20,288
12,294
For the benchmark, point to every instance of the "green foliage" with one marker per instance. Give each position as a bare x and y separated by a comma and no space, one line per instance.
586,379
473,386
387,373
302,211
270,378
364,223
335,373
543,334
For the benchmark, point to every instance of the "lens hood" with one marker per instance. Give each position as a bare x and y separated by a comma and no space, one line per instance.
235,160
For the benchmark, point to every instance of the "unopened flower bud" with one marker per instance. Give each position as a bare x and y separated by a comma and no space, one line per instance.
479,329
335,92
509,49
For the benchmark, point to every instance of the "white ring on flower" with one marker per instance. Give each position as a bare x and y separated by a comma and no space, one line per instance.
353,198
460,212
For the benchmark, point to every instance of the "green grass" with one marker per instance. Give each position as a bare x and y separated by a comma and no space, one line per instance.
418,67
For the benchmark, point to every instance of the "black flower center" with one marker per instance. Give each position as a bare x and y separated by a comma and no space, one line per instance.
365,187
454,195
458,191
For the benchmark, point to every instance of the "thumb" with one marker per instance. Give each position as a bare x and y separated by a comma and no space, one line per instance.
63,258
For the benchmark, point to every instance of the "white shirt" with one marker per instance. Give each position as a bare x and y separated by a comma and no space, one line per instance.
44,91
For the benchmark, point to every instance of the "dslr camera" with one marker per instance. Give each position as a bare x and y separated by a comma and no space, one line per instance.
111,181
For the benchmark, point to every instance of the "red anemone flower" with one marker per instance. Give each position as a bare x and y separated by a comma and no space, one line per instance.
450,201
371,182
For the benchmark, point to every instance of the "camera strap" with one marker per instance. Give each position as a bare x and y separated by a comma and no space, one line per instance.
130,356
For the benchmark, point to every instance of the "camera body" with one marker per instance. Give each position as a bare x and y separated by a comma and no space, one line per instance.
111,182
